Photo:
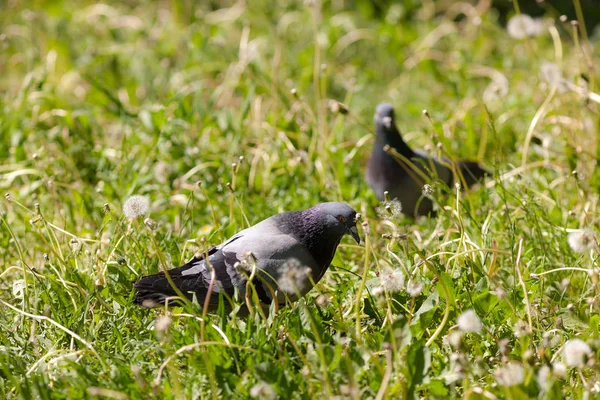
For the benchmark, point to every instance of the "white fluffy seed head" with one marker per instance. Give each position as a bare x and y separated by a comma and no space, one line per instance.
522,26
543,377
136,206
263,391
575,352
582,240
294,277
391,280
559,370
521,329
469,322
389,209
414,288
162,323
510,375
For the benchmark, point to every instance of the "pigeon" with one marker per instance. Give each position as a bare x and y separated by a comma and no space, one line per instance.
404,181
285,254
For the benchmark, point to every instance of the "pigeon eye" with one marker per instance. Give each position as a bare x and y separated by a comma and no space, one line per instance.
341,218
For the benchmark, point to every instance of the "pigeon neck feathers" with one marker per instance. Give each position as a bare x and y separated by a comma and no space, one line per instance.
389,135
308,227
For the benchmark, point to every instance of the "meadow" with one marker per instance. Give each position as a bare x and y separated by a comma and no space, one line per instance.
224,113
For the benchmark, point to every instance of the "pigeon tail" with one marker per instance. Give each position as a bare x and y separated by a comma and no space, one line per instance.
154,290
472,172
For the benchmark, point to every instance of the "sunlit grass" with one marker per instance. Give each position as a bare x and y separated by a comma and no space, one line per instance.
222,116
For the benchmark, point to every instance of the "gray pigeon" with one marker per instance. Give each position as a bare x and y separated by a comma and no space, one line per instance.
403,181
288,252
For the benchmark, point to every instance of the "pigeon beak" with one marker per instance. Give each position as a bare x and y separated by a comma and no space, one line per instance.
354,232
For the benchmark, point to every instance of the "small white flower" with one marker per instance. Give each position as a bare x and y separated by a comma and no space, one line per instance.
559,370
582,240
413,288
392,280
75,245
543,377
468,322
136,206
294,277
575,352
509,375
263,391
522,26
162,323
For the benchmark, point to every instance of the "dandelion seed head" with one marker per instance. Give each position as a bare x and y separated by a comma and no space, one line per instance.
543,377
469,322
521,329
136,206
559,370
263,391
581,240
575,352
509,375
414,288
162,323
389,209
522,26
454,339
294,276
391,280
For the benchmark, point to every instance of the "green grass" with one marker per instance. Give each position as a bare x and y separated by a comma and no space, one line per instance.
101,102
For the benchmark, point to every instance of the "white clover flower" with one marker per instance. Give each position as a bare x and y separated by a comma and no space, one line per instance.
414,288
136,206
509,375
263,391
294,277
522,26
392,280
575,352
162,323
469,322
543,377
582,240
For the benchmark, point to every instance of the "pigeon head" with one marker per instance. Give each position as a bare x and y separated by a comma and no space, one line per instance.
338,219
386,130
384,115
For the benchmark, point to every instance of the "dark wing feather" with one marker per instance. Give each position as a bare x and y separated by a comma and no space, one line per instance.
193,278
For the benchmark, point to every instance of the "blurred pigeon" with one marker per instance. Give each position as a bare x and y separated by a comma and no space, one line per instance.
285,253
402,180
